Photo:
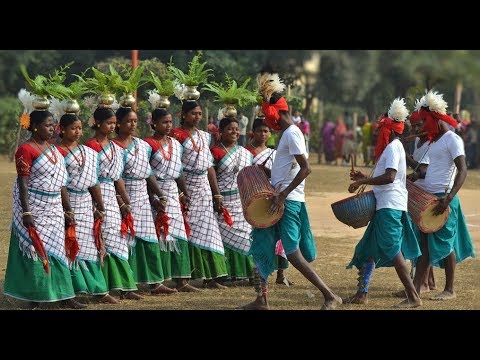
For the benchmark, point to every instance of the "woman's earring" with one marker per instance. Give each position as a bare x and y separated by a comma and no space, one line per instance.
35,129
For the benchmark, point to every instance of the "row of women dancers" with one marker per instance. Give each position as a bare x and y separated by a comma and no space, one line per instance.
166,207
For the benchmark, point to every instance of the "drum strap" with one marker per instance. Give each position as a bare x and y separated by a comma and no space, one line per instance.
365,275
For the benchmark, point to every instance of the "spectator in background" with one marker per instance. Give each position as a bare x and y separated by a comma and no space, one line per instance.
297,117
213,130
340,130
304,126
367,133
242,126
328,137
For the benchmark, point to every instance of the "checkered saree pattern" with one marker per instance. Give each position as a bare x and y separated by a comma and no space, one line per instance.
205,232
110,169
80,179
167,169
236,237
45,202
166,172
260,158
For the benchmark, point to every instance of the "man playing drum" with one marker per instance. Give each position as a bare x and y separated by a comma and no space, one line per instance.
389,237
288,173
452,243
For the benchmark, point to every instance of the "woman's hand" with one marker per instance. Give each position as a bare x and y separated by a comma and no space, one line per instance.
161,204
69,218
97,214
218,204
28,221
125,209
185,200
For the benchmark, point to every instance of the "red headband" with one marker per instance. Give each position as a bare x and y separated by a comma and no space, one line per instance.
386,126
415,117
431,122
271,112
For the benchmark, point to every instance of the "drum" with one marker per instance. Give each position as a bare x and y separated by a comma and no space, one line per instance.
356,211
255,190
420,206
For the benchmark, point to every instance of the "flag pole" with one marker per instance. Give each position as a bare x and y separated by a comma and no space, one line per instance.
134,66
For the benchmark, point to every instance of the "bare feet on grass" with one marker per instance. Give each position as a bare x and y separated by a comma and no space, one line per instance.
332,303
358,298
188,288
260,303
444,295
108,299
408,304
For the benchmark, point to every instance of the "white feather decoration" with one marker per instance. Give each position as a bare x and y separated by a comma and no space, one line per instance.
419,103
179,89
268,84
115,105
398,111
56,108
220,115
90,102
91,122
26,98
435,102
153,98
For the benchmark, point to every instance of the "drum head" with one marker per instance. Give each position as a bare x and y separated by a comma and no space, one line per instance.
430,223
256,212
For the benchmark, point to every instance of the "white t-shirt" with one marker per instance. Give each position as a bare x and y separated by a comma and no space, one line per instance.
285,167
442,170
420,154
393,195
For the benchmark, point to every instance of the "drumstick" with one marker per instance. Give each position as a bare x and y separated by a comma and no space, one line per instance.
352,165
411,137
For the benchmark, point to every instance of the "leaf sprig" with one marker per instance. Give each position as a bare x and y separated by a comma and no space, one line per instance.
231,93
196,75
50,85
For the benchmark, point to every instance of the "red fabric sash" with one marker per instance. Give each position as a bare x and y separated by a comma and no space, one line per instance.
71,243
39,248
271,112
386,126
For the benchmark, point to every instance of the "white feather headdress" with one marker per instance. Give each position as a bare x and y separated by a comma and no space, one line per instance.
26,98
398,111
153,98
419,103
435,102
179,89
56,108
268,84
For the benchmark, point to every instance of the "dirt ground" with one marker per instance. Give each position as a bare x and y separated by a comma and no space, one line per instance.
335,244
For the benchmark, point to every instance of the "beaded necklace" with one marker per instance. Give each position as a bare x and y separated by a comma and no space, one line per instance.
43,151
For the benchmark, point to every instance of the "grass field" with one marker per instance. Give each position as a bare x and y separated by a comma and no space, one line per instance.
335,243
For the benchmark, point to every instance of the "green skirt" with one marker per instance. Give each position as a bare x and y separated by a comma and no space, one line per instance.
389,232
453,236
179,262
118,274
25,278
87,277
239,266
146,262
206,264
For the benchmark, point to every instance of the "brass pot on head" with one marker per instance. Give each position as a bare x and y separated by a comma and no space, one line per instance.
40,102
127,100
71,107
106,100
163,102
191,93
230,110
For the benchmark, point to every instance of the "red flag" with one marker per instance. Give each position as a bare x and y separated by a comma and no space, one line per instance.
71,243
127,224
226,216
161,223
39,248
188,230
